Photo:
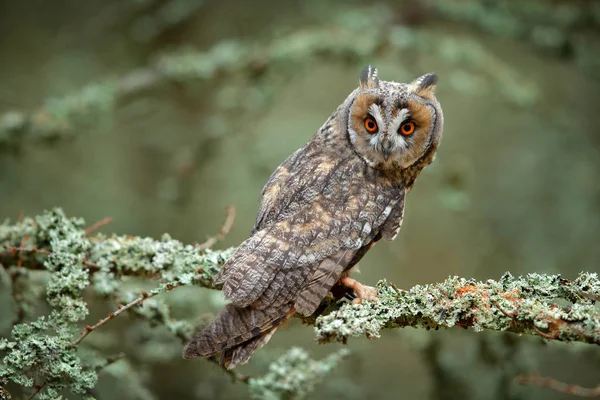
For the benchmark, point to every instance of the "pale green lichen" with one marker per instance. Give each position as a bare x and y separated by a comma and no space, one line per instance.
294,375
174,261
45,351
41,352
516,304
42,349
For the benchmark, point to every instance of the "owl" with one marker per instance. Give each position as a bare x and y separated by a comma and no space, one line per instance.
321,211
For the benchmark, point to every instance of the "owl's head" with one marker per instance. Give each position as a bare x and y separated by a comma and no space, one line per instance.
394,125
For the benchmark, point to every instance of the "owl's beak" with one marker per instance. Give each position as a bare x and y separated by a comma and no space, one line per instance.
386,147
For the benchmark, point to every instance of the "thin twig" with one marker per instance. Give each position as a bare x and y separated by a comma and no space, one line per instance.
15,249
23,240
12,250
507,314
121,309
37,390
92,267
223,232
554,384
589,296
98,225
544,334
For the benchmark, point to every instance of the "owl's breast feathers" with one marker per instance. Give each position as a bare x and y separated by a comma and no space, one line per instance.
318,212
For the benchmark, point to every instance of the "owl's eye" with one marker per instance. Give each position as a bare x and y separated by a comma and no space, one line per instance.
407,128
371,125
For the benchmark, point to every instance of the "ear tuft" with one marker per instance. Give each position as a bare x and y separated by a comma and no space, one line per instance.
424,86
368,78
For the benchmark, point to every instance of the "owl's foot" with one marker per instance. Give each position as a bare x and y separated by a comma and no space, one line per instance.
363,292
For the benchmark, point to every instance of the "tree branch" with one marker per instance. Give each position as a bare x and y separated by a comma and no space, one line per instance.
38,388
121,309
28,243
229,220
525,304
79,262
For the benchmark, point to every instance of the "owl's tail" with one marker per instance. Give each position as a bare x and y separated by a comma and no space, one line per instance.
237,333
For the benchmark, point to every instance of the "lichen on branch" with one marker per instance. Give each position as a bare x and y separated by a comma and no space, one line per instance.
293,375
42,353
526,304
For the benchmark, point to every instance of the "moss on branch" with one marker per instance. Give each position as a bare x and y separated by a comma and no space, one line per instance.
42,354
293,375
526,304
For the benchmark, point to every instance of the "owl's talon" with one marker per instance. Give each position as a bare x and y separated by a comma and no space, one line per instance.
350,295
362,292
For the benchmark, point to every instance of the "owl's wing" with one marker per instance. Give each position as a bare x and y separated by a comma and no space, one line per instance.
322,280
309,235
273,198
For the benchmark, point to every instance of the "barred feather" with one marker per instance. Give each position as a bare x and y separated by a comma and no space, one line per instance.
236,333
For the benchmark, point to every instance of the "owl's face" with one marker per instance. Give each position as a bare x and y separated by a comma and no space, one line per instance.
393,125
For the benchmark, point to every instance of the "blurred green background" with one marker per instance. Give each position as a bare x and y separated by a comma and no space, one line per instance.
159,113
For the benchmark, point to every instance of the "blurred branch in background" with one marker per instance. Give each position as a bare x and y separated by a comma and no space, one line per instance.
451,375
560,386
160,16
563,28
43,353
211,241
345,38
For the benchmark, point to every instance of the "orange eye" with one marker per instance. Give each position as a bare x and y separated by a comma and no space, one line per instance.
370,125
407,128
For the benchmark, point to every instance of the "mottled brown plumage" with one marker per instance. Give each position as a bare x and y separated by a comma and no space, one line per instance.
321,211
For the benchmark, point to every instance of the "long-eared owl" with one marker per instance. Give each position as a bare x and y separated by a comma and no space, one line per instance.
322,210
